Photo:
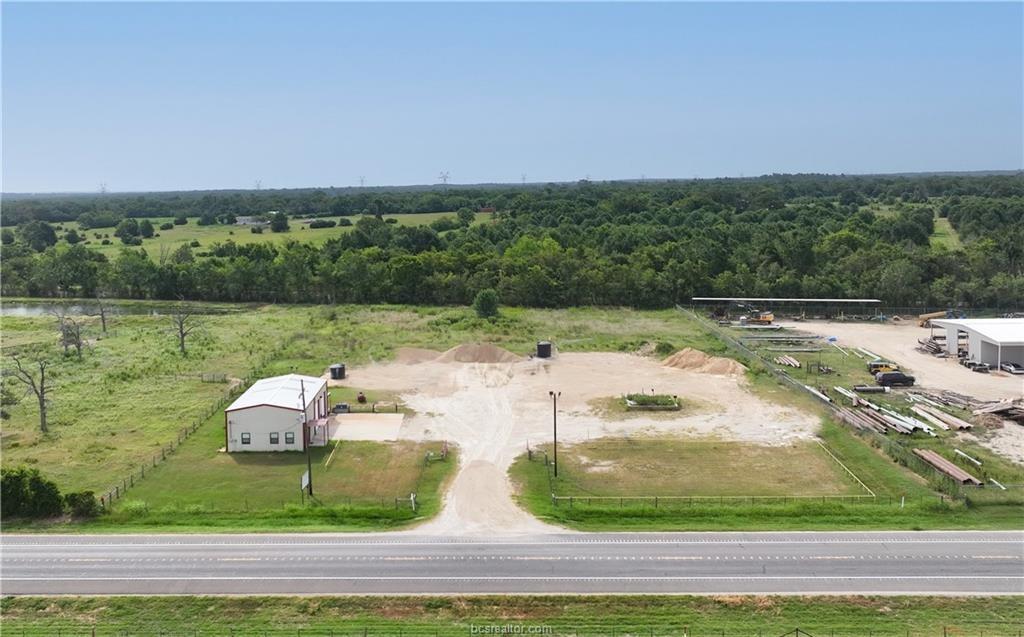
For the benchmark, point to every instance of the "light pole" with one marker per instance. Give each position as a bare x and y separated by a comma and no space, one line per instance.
554,423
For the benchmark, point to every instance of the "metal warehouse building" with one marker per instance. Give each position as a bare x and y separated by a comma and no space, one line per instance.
992,341
278,414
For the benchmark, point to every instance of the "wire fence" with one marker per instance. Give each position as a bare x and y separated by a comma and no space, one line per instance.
504,627
120,487
895,450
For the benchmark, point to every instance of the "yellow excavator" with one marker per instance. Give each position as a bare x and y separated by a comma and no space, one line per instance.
757,317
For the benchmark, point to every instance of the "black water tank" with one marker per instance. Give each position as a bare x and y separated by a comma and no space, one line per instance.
338,371
543,349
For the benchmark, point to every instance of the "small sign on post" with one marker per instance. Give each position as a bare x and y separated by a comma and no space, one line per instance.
305,481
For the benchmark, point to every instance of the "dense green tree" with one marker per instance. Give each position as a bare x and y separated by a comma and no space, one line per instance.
485,304
38,235
279,222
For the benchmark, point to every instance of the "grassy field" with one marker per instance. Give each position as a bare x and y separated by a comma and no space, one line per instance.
682,467
584,616
132,393
922,509
208,235
944,234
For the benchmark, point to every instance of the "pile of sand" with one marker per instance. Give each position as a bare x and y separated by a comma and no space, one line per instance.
414,355
697,361
478,353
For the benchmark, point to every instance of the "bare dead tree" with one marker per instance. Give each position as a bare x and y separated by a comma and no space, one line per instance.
101,311
184,321
71,335
32,374
62,319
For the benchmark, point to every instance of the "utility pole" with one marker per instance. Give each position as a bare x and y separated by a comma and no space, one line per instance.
554,422
307,438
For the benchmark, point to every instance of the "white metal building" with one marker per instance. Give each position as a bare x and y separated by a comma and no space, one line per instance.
992,341
271,416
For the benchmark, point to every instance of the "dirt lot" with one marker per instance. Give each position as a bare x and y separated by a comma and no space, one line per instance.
493,410
899,342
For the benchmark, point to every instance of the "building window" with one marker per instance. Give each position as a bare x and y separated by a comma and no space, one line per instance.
289,437
274,438
246,439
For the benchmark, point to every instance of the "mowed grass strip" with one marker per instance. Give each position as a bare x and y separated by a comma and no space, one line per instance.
945,235
456,616
681,467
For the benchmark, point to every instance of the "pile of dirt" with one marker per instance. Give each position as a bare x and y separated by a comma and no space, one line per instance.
697,361
414,355
478,353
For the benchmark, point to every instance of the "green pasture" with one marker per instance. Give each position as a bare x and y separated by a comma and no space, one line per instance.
560,615
169,240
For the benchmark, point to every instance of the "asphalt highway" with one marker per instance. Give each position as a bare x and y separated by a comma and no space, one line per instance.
954,562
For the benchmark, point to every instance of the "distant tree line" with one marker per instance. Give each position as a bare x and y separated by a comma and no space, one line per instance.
648,245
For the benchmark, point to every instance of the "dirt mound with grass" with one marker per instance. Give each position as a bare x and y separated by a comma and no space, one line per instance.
697,361
478,353
414,355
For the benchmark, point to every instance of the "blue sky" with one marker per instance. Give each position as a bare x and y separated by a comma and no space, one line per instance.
183,96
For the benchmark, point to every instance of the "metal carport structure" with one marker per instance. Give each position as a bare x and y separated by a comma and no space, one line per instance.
992,341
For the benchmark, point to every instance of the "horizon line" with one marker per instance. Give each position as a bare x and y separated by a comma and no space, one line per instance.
514,184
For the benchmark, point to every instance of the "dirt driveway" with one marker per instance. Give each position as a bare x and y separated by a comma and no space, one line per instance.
493,410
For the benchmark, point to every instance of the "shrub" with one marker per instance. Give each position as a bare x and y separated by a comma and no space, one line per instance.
256,229
486,303
664,349
444,223
167,226
344,222
657,400
180,220
391,220
279,222
194,243
26,493
105,242
134,507
322,223
146,228
7,236
82,504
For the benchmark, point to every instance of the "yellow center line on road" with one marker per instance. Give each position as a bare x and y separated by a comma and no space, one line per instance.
89,559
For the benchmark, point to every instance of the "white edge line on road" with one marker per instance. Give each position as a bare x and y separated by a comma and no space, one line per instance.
5,545
524,578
